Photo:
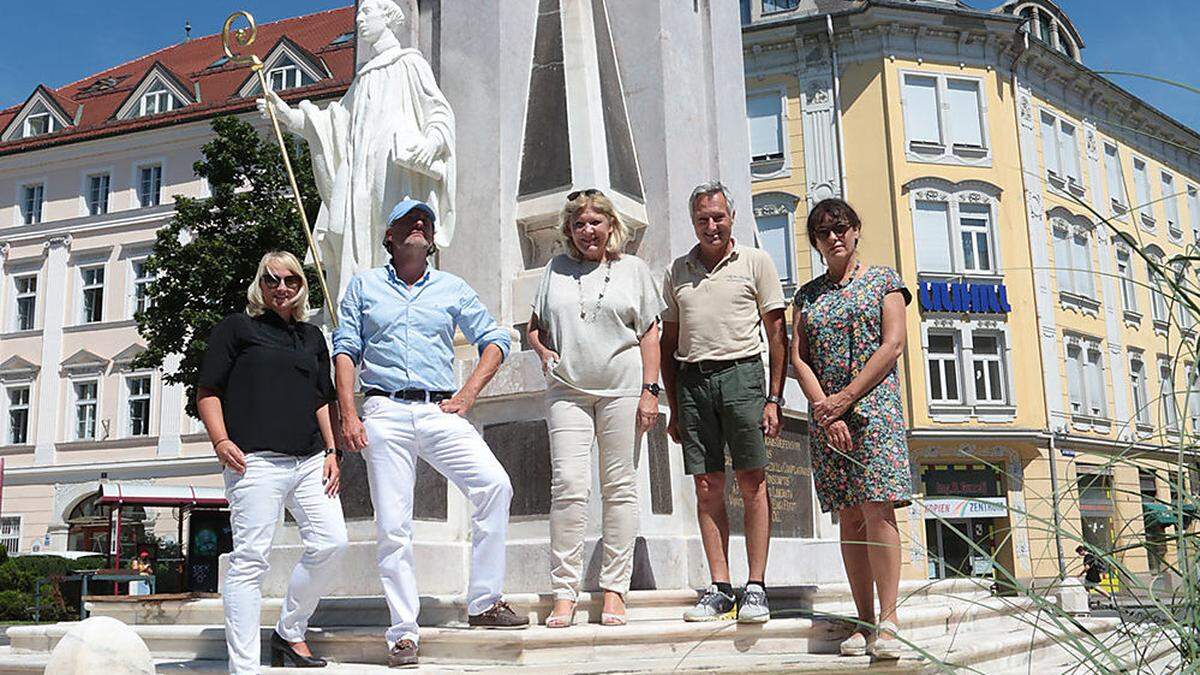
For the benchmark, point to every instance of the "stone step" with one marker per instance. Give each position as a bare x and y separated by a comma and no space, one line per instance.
581,643
440,610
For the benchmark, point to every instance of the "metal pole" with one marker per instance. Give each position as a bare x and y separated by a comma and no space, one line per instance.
245,37
1062,567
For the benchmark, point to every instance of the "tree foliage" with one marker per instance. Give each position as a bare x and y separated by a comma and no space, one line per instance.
206,257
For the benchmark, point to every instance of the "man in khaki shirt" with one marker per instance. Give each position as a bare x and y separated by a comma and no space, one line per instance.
717,297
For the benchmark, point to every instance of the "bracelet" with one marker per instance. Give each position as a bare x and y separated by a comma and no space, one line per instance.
218,443
335,452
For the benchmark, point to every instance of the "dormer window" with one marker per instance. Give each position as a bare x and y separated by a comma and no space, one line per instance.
288,75
157,100
342,39
39,123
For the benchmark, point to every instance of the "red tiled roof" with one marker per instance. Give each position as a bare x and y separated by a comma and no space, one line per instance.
190,62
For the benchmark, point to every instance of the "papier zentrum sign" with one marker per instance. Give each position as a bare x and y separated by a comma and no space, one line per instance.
965,507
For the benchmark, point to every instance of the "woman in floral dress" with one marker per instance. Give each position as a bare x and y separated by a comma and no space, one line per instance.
849,332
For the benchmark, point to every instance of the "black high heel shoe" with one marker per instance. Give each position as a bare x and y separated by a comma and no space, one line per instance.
281,651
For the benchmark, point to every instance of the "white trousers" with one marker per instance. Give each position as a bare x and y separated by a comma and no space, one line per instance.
577,420
257,497
398,432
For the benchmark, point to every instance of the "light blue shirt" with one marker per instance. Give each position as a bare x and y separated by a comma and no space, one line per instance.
403,336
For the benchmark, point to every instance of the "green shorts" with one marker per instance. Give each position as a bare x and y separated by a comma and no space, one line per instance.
721,408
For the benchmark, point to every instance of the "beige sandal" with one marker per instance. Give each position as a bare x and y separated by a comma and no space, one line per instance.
888,645
857,644
561,620
607,619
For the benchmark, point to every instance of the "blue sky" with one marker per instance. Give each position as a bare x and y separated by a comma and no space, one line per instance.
1155,37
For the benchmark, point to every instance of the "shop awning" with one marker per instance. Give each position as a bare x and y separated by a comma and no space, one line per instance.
162,495
1167,515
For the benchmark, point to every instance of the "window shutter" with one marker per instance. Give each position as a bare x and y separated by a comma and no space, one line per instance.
931,221
1142,184
1068,151
773,237
1095,383
1050,145
965,112
1112,167
1081,261
921,109
766,140
1062,261
1075,378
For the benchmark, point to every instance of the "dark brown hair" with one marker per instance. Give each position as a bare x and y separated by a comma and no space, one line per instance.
831,210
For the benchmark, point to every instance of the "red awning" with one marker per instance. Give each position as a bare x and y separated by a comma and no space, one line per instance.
162,495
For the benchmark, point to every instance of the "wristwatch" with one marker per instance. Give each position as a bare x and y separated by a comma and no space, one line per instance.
334,451
653,388
777,400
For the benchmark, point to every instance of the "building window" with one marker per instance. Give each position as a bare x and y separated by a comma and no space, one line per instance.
1166,384
1060,152
769,6
1096,507
1125,275
1183,313
142,278
92,305
1118,200
942,357
85,410
1174,227
97,195
1073,260
18,415
1085,378
38,123
1141,395
1193,202
954,237
987,361
765,113
150,185
139,405
287,75
775,236
10,533
26,300
944,117
1141,184
156,100
1158,301
1193,397
32,197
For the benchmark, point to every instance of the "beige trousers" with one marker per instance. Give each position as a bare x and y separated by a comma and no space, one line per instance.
577,420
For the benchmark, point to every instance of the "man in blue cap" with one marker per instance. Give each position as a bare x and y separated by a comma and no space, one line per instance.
398,323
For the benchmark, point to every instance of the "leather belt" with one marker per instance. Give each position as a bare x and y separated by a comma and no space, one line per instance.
707,367
412,395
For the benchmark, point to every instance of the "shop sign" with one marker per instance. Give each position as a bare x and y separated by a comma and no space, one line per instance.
957,296
965,507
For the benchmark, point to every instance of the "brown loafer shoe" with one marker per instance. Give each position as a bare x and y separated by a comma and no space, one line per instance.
403,654
501,616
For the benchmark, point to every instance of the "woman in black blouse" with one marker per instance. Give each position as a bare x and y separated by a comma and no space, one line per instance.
263,394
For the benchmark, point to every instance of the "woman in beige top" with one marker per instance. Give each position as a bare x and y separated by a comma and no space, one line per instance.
595,327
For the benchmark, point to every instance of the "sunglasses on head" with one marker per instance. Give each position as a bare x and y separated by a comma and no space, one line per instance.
839,228
590,192
292,281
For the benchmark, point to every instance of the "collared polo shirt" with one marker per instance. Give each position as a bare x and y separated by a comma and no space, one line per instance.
719,312
271,376
403,336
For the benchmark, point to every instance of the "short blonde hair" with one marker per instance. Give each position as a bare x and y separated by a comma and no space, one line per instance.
256,305
596,201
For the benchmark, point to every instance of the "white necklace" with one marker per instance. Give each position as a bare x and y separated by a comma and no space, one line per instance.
603,288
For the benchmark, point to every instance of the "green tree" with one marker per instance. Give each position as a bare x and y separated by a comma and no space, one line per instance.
208,254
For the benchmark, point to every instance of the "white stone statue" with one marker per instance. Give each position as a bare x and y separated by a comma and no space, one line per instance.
390,137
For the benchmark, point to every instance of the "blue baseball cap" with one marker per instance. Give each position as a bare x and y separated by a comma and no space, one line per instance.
400,210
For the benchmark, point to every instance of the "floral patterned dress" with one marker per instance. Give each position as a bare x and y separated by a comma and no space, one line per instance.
844,327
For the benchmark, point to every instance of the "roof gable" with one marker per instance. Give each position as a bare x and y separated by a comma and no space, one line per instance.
196,66
157,79
41,102
283,53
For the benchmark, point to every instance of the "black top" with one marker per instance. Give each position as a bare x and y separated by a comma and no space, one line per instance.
272,376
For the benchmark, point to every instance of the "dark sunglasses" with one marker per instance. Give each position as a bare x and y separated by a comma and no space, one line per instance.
590,192
292,281
838,228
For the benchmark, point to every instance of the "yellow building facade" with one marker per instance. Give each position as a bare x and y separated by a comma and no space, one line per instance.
1046,378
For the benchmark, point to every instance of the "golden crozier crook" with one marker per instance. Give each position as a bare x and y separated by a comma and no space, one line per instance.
244,37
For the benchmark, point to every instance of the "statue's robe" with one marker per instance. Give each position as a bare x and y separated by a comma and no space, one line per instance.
360,150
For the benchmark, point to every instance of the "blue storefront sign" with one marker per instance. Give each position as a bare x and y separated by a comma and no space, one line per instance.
957,296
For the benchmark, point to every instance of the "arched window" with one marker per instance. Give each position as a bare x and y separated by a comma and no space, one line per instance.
88,527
